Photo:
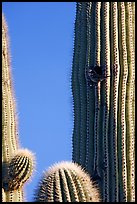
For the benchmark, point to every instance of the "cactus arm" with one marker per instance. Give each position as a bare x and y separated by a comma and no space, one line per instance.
9,139
129,108
71,184
9,128
14,172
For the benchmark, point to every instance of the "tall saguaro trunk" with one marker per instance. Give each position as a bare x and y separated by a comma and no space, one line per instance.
103,88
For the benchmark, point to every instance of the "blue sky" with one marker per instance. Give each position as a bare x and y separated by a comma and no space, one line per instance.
41,45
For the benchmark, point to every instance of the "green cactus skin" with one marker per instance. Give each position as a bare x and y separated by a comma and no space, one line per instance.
104,111
10,141
66,182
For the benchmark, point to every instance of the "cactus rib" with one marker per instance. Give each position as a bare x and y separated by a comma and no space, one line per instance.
129,99
82,82
90,92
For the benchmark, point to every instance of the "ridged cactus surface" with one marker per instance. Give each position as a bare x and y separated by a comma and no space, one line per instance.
19,170
103,88
17,164
66,182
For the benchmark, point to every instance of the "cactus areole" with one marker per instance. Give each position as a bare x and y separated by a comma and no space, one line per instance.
103,89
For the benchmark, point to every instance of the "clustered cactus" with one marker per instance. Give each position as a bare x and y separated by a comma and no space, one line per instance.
65,181
103,88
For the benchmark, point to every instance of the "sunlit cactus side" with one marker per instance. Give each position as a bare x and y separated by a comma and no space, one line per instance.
103,89
17,165
66,182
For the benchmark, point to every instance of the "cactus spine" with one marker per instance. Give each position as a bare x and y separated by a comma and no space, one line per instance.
17,164
66,182
104,134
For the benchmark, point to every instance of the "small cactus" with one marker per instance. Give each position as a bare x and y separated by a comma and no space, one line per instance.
66,182
19,170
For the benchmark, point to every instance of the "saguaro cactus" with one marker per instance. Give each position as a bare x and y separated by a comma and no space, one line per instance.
103,88
17,164
66,182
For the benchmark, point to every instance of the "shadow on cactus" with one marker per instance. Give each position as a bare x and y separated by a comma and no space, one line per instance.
103,89
66,182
